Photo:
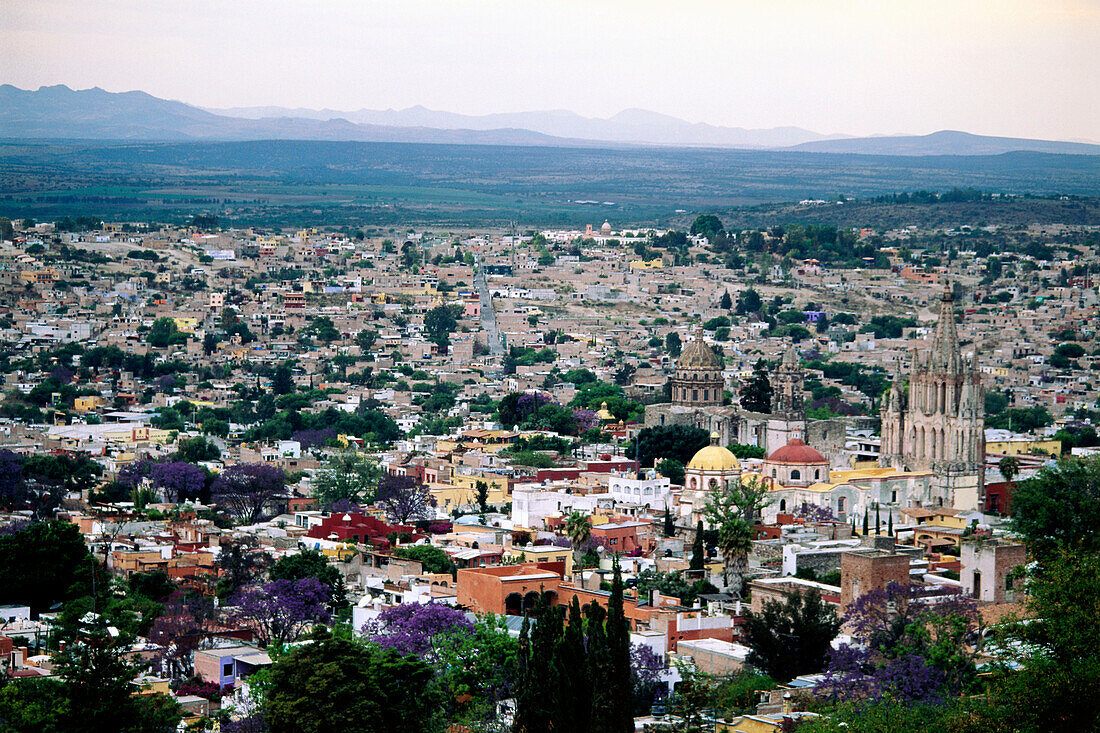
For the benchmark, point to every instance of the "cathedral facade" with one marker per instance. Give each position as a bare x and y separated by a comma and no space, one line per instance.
936,422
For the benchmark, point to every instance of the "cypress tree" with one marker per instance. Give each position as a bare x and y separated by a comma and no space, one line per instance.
600,672
878,521
865,527
575,708
890,525
618,641
698,552
670,527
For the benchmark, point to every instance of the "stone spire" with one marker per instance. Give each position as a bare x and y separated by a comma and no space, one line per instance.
945,356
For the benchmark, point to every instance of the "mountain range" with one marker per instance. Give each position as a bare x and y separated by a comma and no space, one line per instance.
58,112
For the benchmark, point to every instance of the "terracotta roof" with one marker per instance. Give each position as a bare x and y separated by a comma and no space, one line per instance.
796,451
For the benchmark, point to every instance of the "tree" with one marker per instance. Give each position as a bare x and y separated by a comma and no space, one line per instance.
280,611
433,559
732,510
756,394
726,303
677,442
365,689
748,301
240,563
707,225
698,551
411,628
178,480
311,564
164,333
1009,467
366,339
404,498
482,489
43,563
96,693
196,450
578,528
347,476
1059,508
669,527
671,469
282,381
673,344
1057,685
439,324
791,638
248,488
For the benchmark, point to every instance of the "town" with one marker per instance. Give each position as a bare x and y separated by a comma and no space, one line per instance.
605,478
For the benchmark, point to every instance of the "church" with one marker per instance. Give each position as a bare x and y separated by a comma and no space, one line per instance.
697,388
932,437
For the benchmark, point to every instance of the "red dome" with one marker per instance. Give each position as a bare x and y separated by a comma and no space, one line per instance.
796,451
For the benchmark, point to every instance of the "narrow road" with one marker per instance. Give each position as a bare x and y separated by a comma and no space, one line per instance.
488,315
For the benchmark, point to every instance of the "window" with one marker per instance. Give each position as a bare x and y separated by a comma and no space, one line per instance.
841,504
817,474
1008,582
796,475
782,505
893,497
227,669
694,394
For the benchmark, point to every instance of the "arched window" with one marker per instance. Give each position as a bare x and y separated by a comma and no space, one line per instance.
782,505
713,483
774,474
817,474
693,483
796,475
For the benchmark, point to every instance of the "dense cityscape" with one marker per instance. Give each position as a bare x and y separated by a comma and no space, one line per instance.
798,477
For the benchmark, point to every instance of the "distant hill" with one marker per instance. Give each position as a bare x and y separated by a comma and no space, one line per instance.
58,112
634,126
945,142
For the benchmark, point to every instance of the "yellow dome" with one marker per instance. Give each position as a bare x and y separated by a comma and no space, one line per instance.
713,458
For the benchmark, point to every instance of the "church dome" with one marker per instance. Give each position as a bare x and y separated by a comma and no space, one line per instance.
697,355
606,228
713,458
796,451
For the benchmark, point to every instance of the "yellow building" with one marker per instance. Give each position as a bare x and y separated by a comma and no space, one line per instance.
1023,446
498,485
541,553
186,325
84,404
654,264
450,496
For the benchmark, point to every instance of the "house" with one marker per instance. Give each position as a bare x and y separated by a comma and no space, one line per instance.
227,665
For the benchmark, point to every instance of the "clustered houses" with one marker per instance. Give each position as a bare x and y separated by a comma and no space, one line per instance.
130,347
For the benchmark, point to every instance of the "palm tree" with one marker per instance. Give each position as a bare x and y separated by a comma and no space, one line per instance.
578,529
733,511
735,542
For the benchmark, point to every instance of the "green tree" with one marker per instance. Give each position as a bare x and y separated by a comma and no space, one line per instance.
1057,686
726,303
338,684
791,638
732,511
439,324
676,442
669,527
578,528
432,558
698,551
45,563
366,340
671,469
707,225
673,344
1059,508
347,476
163,333
482,489
312,564
756,394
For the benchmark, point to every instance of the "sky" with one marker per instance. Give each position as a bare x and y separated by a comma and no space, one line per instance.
996,67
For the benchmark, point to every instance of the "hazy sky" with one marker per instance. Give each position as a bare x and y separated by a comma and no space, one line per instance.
1000,67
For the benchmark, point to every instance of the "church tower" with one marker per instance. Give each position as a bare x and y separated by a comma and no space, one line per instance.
938,423
698,380
787,386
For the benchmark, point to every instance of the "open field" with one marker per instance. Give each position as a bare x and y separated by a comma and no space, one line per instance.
306,183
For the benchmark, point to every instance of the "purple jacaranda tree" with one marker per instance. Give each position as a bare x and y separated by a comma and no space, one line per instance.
913,642
585,420
254,723
813,513
63,374
645,672
411,627
246,489
178,480
404,498
132,474
281,610
313,438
